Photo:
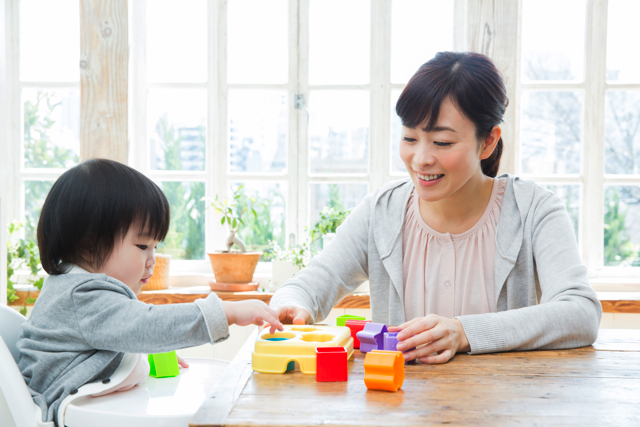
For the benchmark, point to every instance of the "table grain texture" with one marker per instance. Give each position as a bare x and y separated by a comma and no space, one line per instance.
595,385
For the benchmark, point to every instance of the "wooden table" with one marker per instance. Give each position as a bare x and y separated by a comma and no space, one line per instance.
595,385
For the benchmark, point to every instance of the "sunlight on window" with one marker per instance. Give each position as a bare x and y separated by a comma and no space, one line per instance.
257,41
337,196
49,40
177,128
553,35
339,42
623,66
419,29
622,226
177,41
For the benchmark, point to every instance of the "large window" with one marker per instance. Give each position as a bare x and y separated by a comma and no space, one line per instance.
48,95
580,121
293,99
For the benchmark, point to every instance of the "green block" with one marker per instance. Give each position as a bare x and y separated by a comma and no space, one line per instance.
342,320
164,365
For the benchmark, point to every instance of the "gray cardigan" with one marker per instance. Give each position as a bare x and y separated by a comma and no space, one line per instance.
544,298
82,324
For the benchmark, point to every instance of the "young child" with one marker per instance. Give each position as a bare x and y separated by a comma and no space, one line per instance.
97,236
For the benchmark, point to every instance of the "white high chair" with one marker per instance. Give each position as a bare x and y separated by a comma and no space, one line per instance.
165,401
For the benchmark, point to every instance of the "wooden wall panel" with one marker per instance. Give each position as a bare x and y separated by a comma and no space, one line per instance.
494,30
104,59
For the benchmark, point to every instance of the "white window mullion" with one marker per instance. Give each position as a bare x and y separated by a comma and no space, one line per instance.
12,206
592,240
292,135
216,153
460,25
379,125
139,151
303,120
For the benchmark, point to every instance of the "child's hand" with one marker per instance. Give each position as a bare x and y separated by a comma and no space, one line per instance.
182,363
253,311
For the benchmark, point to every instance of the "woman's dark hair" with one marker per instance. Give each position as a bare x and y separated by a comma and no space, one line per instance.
472,82
93,205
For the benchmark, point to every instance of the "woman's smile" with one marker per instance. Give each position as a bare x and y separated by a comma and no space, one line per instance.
429,180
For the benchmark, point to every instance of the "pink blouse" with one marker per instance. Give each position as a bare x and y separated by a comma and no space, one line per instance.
450,274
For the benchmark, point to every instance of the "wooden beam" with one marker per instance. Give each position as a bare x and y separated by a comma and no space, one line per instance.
104,59
494,30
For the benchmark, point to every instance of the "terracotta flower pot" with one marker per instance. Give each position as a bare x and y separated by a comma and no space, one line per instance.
234,267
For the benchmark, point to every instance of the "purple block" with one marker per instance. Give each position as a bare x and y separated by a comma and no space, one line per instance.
390,341
371,337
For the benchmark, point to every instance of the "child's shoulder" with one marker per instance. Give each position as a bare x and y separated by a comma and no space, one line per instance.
68,286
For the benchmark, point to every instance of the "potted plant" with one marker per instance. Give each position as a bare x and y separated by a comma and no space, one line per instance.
22,253
234,266
287,262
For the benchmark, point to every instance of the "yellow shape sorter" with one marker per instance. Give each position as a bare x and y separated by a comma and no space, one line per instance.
297,343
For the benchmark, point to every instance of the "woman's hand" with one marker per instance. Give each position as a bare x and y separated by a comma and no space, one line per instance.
252,311
293,315
436,334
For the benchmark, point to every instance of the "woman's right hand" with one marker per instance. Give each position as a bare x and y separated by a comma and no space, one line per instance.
293,315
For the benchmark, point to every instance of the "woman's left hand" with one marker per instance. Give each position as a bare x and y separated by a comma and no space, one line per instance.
438,334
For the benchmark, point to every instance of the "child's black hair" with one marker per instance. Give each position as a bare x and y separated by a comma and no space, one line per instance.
93,205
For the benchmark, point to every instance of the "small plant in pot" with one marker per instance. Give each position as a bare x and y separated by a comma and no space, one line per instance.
234,267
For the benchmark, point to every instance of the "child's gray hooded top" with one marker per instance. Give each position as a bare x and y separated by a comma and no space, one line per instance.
544,298
82,324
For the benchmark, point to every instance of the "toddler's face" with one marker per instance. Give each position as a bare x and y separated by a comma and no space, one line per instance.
132,260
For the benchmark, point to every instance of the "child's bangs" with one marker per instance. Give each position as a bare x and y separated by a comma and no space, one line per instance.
152,215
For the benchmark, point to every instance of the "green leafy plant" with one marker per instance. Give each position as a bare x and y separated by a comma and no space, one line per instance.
234,211
330,220
21,253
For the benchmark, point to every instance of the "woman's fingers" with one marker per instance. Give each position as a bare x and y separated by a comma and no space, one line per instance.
425,339
421,325
442,357
292,315
405,324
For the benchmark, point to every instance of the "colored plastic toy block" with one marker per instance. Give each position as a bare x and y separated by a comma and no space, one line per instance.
341,321
371,337
390,342
331,364
273,354
356,326
384,370
163,365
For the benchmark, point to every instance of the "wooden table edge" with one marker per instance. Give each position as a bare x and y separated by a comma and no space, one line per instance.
220,401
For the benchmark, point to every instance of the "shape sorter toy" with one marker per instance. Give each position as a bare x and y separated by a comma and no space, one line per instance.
331,364
384,370
371,337
163,365
297,343
356,326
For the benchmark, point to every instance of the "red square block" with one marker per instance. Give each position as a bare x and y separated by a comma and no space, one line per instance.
331,364
356,326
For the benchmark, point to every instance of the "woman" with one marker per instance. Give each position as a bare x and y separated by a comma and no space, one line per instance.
479,264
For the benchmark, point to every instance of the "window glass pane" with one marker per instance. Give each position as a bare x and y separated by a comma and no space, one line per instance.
397,165
35,192
622,65
412,42
339,42
185,239
177,128
622,132
49,40
270,206
622,226
338,196
51,127
570,195
258,121
552,127
553,34
258,44
177,41
339,131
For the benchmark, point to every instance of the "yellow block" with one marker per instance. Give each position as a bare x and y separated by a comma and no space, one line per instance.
297,343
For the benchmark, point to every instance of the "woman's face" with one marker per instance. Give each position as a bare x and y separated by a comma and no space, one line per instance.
441,161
